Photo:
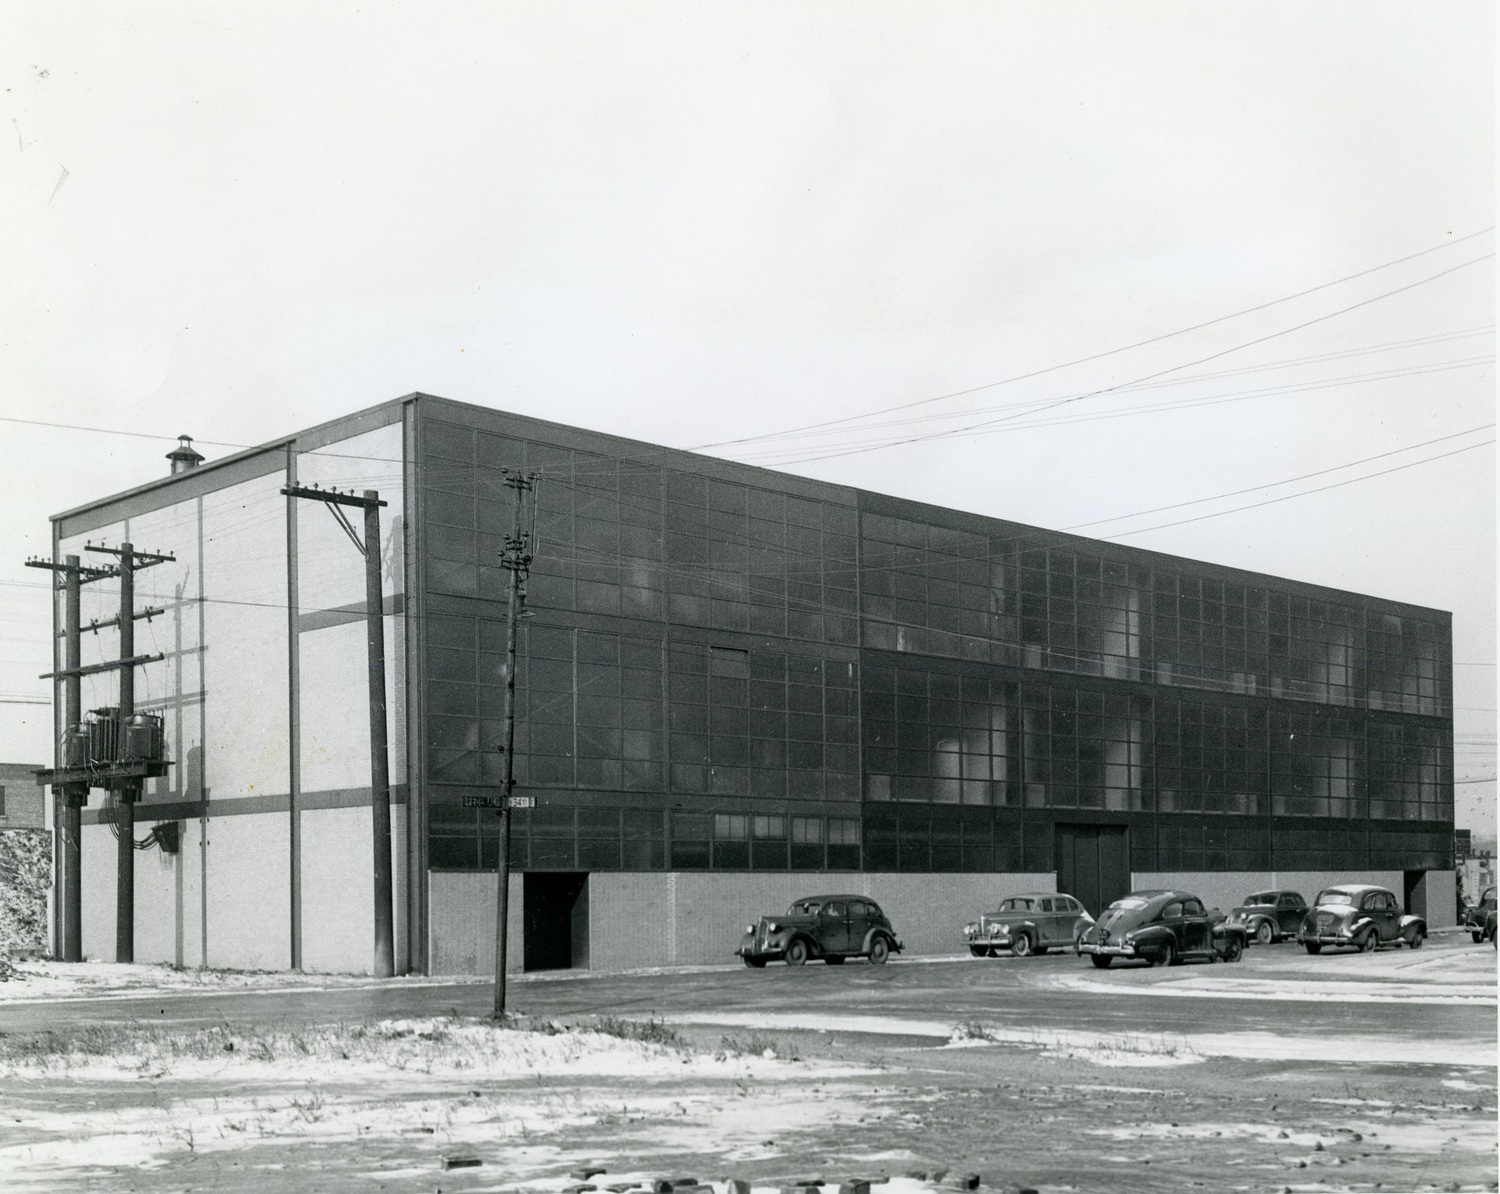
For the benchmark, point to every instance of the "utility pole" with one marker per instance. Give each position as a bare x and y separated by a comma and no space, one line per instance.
516,559
129,790
128,787
134,752
69,798
380,770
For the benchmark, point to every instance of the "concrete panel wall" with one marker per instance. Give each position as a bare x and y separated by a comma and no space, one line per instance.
461,919
156,911
696,917
631,916
338,923
249,901
190,859
98,884
338,890
1436,899
1226,889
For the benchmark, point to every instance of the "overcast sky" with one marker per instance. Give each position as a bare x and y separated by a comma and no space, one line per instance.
696,224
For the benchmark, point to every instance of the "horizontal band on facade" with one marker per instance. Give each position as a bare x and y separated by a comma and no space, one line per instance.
277,802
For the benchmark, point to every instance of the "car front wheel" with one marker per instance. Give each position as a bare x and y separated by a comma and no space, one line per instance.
982,951
1264,935
796,953
879,951
755,963
1478,937
1233,949
1021,946
1101,961
1314,947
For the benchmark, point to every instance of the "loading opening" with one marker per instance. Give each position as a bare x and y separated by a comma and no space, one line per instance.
555,917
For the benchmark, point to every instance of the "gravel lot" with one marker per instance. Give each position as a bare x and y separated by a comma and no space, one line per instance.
1283,1072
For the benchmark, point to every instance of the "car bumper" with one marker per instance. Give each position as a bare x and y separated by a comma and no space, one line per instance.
1325,938
1108,951
1004,942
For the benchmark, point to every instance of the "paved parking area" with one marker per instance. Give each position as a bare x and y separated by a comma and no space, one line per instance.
1279,1072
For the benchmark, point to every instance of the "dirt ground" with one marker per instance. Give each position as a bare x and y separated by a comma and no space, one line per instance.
912,1100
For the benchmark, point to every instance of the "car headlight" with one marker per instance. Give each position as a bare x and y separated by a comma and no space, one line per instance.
970,929
750,928
772,927
999,930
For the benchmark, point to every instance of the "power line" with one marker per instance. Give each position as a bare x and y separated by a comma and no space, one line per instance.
1160,373
1286,481
1023,420
1110,352
1288,497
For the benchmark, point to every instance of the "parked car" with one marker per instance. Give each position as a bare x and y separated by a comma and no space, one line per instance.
1269,916
1163,928
831,927
1359,916
1028,924
1476,915
1489,928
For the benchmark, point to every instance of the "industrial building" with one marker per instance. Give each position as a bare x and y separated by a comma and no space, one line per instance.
734,687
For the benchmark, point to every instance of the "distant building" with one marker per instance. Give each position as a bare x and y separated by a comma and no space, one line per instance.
737,687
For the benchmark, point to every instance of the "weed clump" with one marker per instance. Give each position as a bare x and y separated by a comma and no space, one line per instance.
652,1031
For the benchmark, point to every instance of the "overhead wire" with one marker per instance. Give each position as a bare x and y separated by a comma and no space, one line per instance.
1164,372
1125,348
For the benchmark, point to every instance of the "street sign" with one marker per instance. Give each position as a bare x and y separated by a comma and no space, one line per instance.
499,802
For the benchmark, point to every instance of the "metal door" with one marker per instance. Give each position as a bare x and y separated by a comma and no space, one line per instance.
1093,864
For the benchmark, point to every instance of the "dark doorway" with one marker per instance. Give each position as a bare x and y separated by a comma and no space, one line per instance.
555,906
1093,864
1414,893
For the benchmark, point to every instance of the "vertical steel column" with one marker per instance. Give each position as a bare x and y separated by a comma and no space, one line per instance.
294,714
380,769
69,828
129,789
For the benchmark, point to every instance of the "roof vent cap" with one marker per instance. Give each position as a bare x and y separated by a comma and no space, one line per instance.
183,457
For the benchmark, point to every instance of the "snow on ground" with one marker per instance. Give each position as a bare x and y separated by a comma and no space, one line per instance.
1447,976
94,980
439,1086
1115,1048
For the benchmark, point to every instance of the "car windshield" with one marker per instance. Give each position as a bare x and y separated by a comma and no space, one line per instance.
1335,896
1015,904
804,908
1261,897
1128,904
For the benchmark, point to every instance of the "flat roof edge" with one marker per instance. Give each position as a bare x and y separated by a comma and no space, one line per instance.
318,430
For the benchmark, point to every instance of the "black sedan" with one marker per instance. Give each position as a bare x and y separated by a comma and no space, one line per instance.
1162,928
1270,915
831,927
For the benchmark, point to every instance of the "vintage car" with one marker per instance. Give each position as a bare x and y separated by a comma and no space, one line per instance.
1474,916
1028,924
1270,915
1359,916
831,927
1162,928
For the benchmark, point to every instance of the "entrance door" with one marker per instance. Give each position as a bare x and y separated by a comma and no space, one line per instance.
1093,864
1414,893
555,912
